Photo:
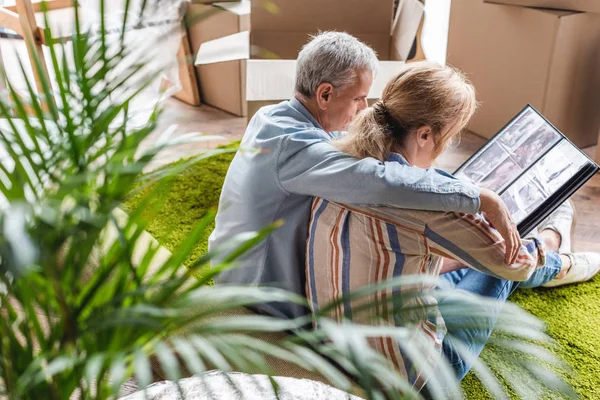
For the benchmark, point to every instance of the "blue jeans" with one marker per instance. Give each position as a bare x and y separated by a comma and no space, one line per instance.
473,281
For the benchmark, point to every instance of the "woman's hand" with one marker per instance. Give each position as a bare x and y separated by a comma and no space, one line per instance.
496,212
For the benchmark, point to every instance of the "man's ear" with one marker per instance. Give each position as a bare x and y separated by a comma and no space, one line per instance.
324,94
424,135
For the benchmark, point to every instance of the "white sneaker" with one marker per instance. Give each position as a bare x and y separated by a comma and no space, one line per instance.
584,266
562,221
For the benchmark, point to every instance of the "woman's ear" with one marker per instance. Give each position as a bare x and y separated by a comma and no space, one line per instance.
424,136
324,94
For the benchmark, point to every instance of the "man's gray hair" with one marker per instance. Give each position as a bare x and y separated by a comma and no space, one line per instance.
332,57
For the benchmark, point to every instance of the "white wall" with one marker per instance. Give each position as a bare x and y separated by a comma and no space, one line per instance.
434,38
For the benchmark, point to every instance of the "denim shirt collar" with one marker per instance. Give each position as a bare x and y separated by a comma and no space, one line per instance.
295,103
395,157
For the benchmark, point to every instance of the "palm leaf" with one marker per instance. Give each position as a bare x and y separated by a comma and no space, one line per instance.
85,311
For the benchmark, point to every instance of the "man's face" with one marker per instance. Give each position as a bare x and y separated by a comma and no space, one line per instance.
345,104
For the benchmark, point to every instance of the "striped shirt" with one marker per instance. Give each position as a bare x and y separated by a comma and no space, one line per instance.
350,246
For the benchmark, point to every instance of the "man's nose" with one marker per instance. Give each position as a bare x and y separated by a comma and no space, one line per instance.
363,105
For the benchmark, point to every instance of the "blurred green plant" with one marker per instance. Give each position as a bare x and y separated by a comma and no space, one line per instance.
88,301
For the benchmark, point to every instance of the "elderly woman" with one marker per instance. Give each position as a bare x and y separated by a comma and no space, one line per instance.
334,74
422,110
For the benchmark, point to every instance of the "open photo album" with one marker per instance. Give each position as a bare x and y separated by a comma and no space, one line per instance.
531,165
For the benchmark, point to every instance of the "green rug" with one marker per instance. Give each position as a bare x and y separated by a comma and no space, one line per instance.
572,313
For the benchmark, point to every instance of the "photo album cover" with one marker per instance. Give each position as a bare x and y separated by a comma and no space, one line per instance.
531,165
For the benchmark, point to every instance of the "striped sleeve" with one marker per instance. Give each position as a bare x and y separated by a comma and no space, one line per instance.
472,240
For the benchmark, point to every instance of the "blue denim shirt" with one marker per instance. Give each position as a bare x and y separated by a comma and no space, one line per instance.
296,163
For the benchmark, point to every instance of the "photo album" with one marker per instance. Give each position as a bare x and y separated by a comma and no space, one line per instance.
531,165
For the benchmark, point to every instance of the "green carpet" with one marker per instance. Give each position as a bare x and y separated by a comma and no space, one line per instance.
572,313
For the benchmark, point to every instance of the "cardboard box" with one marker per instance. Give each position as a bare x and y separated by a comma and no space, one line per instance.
517,55
222,67
206,23
572,5
261,82
280,29
597,155
272,81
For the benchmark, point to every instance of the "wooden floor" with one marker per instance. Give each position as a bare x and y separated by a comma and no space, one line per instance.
214,122
216,126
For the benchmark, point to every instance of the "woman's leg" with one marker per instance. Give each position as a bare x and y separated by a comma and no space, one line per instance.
473,281
478,331
474,332
555,232
552,268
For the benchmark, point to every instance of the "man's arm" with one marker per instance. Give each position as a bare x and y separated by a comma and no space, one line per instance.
471,240
309,165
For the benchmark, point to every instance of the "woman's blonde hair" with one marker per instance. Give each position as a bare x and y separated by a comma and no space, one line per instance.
423,94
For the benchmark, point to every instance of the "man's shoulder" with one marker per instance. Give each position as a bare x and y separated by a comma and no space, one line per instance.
282,118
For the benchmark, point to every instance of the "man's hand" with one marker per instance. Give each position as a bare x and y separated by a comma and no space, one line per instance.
497,214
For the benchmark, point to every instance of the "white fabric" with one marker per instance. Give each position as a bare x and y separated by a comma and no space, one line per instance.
584,266
563,222
217,385
434,35
150,42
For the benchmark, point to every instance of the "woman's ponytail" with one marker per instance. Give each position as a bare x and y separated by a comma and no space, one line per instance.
367,137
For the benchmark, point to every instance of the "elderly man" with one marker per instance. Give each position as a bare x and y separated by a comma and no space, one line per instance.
333,77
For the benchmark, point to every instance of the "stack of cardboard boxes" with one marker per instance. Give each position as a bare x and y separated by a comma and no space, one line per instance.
542,52
246,51
220,77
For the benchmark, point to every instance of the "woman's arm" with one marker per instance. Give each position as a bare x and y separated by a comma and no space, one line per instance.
471,240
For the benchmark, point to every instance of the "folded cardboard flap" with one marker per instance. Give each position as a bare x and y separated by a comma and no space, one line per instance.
228,48
404,29
572,5
237,7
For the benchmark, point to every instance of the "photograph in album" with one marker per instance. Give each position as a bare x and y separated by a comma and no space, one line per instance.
531,165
